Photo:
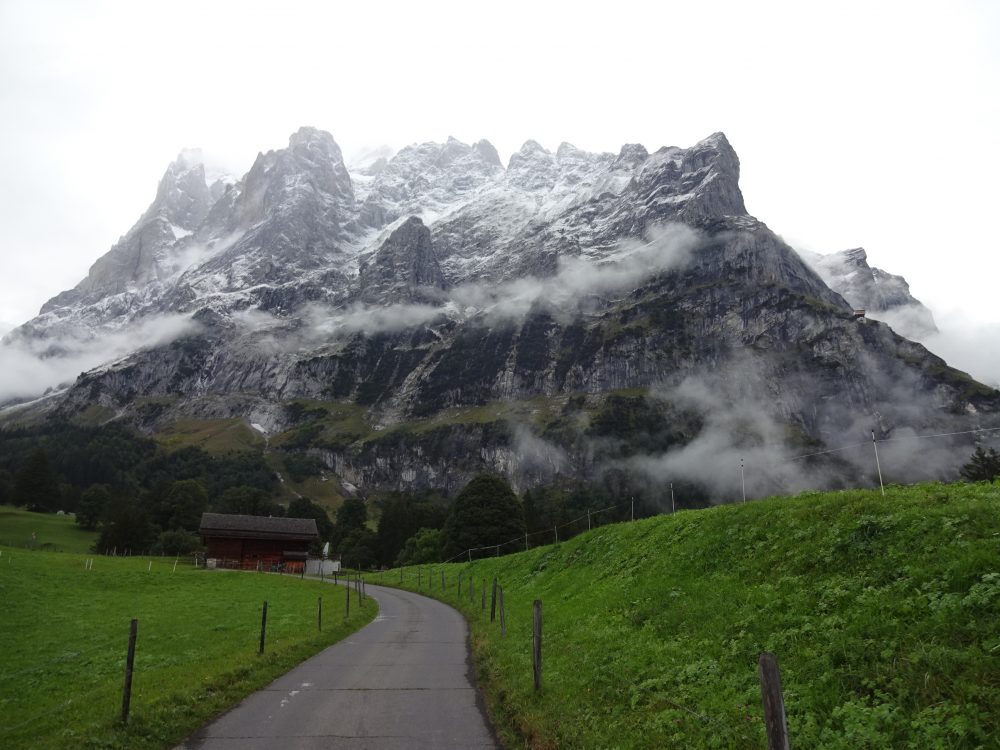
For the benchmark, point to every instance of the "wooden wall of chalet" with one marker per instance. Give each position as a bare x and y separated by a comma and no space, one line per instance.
247,553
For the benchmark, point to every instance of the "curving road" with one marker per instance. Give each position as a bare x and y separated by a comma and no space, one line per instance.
403,681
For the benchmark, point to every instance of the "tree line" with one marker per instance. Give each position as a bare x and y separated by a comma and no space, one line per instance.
142,497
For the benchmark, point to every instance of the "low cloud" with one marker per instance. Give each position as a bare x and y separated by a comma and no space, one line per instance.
322,323
576,279
748,415
537,455
577,282
968,346
739,429
33,365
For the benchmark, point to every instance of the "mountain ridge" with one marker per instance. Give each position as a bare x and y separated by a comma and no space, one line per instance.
442,280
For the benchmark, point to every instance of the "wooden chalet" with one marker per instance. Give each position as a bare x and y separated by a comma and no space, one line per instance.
257,542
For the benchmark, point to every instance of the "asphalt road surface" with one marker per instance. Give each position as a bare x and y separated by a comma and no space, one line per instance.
403,681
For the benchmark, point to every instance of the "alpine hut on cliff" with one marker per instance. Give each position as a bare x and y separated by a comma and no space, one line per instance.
257,542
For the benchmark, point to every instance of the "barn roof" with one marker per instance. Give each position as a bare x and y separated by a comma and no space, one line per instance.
257,527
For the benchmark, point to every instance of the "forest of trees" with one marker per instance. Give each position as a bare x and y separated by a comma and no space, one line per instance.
138,495
142,497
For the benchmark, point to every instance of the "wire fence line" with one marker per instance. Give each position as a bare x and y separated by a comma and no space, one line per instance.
461,593
523,538
523,541
418,572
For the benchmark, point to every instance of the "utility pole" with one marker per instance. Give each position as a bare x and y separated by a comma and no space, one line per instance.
743,481
877,464
673,506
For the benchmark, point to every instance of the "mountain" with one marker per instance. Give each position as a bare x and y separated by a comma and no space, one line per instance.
881,294
434,313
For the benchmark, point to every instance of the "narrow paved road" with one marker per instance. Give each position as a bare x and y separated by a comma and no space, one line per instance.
402,681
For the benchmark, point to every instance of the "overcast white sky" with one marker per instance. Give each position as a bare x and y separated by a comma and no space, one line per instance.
872,124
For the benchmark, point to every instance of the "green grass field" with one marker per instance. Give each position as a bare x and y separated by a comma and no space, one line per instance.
216,436
884,615
52,532
65,631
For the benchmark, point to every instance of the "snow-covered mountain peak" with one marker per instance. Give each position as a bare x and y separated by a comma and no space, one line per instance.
433,279
567,151
488,152
299,226
370,160
182,196
190,156
309,137
532,167
427,179
632,153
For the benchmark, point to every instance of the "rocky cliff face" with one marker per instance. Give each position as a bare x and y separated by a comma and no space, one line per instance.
475,316
882,295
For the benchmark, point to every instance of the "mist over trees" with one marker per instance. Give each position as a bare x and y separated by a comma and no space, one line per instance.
142,497
984,466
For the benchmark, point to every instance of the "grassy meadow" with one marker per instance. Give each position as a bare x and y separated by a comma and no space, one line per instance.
884,615
52,532
65,632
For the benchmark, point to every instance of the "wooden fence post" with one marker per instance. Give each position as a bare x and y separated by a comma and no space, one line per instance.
536,652
263,627
493,601
774,703
129,665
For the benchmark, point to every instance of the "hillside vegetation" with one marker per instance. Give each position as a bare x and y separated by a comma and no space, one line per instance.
52,532
65,633
884,614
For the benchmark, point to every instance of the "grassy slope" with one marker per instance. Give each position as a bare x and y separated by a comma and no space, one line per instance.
884,615
59,533
216,436
65,631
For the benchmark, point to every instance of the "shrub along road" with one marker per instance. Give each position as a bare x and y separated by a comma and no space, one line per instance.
404,681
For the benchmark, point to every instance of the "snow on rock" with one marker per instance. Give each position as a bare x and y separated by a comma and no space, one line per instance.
265,262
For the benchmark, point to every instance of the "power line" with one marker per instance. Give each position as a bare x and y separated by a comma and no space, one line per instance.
828,451
889,440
